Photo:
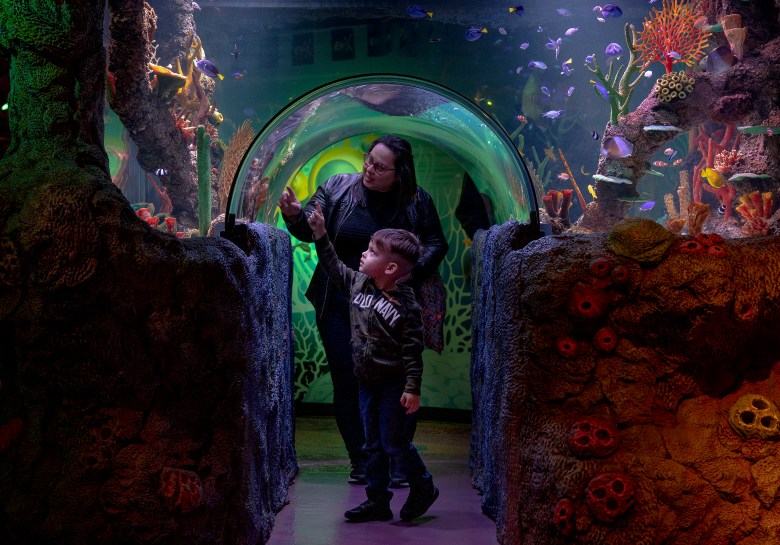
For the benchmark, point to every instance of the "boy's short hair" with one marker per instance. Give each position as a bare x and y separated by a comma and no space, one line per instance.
400,243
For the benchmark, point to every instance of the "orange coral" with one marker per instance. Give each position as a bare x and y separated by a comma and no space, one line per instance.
669,36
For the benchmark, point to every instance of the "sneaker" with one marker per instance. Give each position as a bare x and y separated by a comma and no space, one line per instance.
419,501
399,483
369,510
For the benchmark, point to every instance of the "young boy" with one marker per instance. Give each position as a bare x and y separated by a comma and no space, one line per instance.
387,349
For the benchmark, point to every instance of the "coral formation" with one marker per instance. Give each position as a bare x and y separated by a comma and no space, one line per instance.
756,209
674,85
593,437
180,489
557,204
670,36
609,495
641,239
754,416
233,156
605,339
564,517
587,301
566,347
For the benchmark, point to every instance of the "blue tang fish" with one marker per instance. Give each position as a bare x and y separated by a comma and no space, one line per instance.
611,10
519,9
601,90
418,12
475,33
208,68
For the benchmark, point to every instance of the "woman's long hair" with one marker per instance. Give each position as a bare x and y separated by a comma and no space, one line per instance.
404,166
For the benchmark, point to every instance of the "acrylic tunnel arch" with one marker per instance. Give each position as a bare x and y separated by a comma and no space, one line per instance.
325,132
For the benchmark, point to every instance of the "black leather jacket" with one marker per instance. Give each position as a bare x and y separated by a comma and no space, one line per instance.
338,197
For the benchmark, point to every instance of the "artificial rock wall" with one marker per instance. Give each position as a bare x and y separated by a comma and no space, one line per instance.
146,392
626,387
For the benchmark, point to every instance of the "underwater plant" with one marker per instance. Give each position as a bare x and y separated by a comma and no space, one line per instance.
618,87
670,36
234,153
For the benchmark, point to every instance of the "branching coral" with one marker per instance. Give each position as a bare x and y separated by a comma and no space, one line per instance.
669,36
710,146
756,208
619,88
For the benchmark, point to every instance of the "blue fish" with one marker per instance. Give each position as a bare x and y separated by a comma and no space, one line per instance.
615,147
674,55
475,33
554,45
519,9
418,12
235,52
563,11
570,91
524,45
611,10
208,68
647,206
589,58
613,49
553,114
537,64
601,90
545,90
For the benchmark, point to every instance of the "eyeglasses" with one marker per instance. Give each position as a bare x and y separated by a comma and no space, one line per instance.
379,168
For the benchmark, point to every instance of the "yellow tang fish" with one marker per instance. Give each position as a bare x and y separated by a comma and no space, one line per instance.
592,192
549,153
713,177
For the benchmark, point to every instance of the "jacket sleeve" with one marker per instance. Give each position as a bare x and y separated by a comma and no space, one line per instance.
434,243
299,227
411,351
341,275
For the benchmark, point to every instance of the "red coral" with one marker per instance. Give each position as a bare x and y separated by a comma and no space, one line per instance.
718,251
10,432
564,517
756,208
609,495
690,247
600,266
593,437
671,30
566,347
620,274
587,301
605,339
709,239
180,489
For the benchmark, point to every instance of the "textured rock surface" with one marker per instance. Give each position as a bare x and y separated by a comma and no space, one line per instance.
695,333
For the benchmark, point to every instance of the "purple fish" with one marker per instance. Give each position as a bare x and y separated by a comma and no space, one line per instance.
475,33
613,49
554,45
553,114
208,68
524,45
615,147
647,206
570,91
602,91
563,11
418,12
545,90
537,64
611,10
572,30
589,58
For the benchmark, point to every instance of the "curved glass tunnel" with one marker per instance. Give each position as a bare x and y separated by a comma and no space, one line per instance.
326,132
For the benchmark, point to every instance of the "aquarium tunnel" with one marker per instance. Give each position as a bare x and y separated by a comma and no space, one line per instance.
326,132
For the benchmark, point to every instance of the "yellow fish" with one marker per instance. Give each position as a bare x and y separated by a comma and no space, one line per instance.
713,177
592,192
549,153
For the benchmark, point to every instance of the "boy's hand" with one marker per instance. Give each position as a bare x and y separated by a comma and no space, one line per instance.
317,221
289,203
411,402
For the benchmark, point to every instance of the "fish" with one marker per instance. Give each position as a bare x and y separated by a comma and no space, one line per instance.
161,172
713,177
594,135
648,74
502,31
563,176
601,19
582,169
769,132
524,45
589,58
537,64
565,70
670,153
563,11
647,206
195,6
553,114
592,191
571,31
615,147
570,91
208,68
518,9
669,128
677,162
660,164
554,45
238,75
522,119
235,52
674,55
611,10
540,29
418,12
602,91
700,22
518,69
549,153
475,33
545,90
613,49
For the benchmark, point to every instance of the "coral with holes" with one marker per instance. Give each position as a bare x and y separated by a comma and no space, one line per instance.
593,437
180,489
609,495
754,416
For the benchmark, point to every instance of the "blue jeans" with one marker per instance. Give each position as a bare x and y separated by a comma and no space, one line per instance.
387,438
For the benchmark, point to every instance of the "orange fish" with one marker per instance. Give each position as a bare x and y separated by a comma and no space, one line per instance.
677,162
563,176
522,119
660,164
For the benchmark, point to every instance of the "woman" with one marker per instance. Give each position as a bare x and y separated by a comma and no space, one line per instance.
385,194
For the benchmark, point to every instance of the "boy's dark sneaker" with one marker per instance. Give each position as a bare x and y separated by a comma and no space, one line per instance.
418,502
369,510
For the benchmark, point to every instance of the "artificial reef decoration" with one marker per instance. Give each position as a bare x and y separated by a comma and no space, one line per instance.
674,85
641,239
670,35
754,416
